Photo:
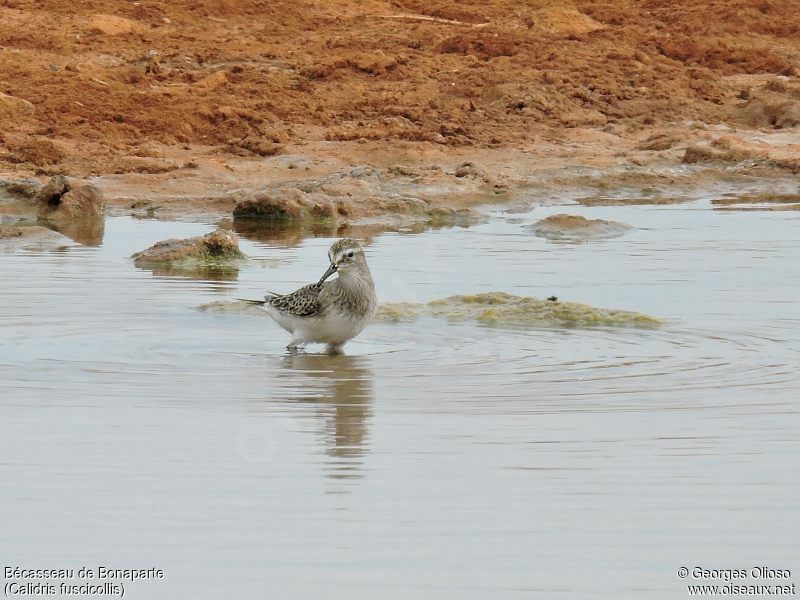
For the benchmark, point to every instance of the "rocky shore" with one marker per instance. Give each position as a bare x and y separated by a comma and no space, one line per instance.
387,115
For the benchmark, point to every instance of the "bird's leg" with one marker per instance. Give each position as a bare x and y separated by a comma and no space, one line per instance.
335,349
294,346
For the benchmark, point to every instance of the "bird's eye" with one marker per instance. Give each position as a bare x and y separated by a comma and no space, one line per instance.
350,254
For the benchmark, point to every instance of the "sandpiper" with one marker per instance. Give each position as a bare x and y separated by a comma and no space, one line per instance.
329,312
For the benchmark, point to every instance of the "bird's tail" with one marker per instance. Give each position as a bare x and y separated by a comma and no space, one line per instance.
259,302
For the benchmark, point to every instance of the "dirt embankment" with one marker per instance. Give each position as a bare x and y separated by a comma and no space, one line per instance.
99,86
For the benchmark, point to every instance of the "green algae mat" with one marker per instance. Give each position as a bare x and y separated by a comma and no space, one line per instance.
498,309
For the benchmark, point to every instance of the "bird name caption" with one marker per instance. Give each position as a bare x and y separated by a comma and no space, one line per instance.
85,581
753,581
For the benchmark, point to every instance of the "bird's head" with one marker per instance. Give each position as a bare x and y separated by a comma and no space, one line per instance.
346,257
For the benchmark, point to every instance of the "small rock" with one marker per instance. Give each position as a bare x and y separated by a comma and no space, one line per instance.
65,197
212,248
54,190
285,204
577,228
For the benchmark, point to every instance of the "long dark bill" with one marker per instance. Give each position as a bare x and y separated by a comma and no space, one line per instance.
331,270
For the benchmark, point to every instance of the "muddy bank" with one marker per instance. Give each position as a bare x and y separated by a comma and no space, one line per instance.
335,184
364,192
184,110
352,188
320,188
757,201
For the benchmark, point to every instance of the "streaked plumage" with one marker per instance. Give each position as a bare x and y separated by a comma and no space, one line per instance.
301,303
329,312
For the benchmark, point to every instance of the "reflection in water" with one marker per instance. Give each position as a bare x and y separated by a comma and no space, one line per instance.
340,388
293,233
88,231
285,233
195,269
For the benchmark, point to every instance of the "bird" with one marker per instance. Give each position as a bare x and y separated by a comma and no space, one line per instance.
329,312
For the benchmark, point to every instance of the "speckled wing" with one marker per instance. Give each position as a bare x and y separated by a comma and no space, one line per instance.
301,303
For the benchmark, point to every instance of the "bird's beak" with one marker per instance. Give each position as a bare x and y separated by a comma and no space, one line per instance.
331,270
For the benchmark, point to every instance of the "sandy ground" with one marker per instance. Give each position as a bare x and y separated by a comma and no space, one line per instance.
183,108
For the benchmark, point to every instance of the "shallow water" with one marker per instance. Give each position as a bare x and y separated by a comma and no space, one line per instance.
435,460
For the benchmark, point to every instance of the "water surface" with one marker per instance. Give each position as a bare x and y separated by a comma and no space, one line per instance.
435,460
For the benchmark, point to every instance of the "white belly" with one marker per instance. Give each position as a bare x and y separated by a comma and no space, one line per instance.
331,328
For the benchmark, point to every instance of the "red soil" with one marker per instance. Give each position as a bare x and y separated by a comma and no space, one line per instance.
107,78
